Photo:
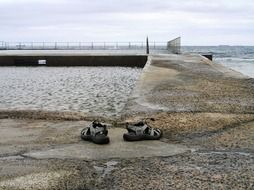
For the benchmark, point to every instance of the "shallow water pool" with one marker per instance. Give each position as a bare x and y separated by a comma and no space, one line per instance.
97,90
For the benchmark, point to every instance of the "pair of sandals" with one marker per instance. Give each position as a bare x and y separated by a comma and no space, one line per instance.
98,132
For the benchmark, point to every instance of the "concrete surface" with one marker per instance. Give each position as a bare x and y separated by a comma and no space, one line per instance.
190,83
117,148
48,139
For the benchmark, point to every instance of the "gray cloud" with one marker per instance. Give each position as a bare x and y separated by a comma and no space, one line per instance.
199,22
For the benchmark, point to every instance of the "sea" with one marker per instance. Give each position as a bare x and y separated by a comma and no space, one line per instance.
101,91
238,58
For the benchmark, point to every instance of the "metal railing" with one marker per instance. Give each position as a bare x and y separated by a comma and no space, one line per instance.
81,45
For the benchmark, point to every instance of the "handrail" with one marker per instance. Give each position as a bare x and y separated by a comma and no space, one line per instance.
80,45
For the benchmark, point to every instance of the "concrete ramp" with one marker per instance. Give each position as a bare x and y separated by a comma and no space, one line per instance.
117,148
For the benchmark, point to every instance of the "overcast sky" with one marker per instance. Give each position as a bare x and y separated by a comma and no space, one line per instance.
198,22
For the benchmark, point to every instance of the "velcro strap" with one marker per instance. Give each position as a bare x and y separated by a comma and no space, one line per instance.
155,132
97,130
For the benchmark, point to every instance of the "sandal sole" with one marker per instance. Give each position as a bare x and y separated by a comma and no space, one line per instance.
96,140
130,137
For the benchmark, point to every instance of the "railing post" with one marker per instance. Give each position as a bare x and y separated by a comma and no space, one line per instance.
147,45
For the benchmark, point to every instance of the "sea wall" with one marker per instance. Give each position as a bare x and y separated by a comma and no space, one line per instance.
74,60
190,83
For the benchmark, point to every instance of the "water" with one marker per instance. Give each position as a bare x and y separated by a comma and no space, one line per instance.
97,90
239,58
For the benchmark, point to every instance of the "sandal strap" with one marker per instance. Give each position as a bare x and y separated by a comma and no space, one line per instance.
98,129
138,130
154,132
145,129
95,129
84,131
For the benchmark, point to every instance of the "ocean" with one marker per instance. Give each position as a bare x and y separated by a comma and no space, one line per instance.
239,58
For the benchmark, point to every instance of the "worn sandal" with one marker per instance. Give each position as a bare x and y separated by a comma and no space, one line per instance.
96,133
141,131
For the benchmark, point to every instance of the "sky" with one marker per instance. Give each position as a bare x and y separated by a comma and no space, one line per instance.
198,22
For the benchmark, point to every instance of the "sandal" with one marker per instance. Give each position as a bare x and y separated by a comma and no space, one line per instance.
96,133
141,131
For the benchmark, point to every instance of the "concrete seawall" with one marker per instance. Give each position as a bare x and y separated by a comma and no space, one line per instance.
71,59
190,83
